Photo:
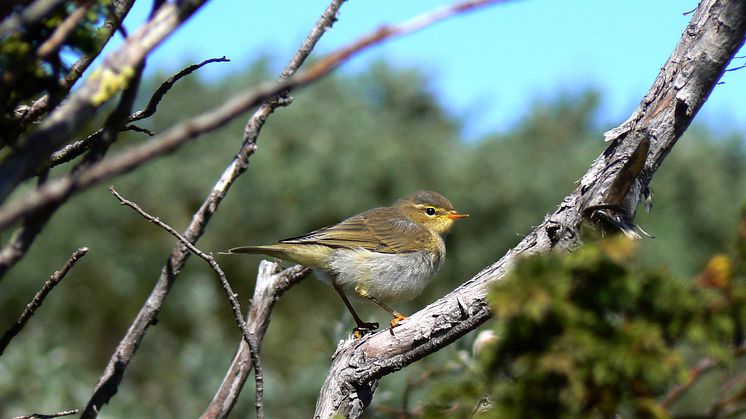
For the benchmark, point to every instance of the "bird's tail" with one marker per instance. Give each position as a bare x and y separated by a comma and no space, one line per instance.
269,250
313,255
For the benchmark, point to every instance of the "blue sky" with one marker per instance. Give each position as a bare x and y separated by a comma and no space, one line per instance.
488,66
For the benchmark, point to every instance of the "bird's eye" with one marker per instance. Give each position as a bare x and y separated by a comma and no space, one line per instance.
430,211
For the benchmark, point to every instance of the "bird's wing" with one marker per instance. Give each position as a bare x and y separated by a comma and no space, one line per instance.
358,232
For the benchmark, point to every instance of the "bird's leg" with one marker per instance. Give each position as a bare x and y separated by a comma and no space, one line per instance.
362,327
397,316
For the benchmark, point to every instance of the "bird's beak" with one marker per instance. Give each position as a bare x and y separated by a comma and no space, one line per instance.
453,215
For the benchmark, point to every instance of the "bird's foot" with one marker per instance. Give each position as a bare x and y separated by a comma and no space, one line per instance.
363,329
395,321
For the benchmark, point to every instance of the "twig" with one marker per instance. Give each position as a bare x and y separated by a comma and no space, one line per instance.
703,366
271,283
73,150
62,31
235,305
135,128
682,86
38,299
211,120
53,415
127,347
736,68
161,91
30,14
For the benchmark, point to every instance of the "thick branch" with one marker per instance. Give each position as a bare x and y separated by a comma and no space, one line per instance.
35,221
119,9
711,39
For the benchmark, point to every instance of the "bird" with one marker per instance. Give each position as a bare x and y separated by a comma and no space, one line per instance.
384,255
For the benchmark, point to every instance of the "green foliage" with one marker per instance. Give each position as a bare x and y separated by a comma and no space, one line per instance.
592,334
25,74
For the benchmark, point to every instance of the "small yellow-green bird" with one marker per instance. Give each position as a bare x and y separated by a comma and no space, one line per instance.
384,255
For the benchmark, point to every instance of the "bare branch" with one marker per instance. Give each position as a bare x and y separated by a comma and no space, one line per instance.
157,96
30,14
235,305
136,128
714,35
271,283
211,120
703,366
73,150
62,31
53,415
38,299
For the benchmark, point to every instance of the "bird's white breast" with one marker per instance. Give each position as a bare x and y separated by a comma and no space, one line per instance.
387,277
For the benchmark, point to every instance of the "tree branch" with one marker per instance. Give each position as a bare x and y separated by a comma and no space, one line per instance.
211,120
271,283
38,299
119,8
62,31
711,39
161,91
35,221
100,87
235,305
73,150
703,366
49,416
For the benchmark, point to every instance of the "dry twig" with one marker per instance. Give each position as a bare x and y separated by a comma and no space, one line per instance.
75,149
703,366
49,416
38,299
271,283
235,305
161,91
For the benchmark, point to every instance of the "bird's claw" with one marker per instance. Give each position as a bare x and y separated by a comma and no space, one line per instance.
395,321
363,329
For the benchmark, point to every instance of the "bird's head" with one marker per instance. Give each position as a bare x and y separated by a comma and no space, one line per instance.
431,210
